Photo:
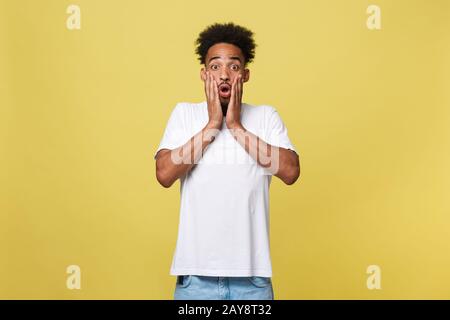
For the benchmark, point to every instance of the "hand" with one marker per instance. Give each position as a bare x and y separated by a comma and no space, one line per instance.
233,118
212,97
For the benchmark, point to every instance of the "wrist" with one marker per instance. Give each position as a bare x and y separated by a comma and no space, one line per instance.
212,124
235,126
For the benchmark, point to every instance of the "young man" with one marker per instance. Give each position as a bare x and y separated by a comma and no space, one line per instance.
224,152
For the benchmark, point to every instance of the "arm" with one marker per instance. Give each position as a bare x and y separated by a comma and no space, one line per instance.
281,162
173,164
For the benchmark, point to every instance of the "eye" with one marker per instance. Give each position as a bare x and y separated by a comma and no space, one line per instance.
214,67
235,67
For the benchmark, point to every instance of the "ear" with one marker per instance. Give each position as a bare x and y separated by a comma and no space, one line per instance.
203,74
246,75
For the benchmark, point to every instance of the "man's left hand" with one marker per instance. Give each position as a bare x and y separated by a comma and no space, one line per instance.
233,118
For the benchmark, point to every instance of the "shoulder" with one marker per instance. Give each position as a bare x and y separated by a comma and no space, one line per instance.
263,111
187,107
261,108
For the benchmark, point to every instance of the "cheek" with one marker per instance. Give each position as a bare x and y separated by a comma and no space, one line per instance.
237,74
216,76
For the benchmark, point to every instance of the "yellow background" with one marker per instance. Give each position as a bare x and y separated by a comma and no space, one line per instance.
83,111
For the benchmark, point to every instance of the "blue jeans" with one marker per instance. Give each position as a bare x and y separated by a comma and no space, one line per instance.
191,287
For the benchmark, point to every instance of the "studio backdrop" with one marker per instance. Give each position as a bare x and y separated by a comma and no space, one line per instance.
87,87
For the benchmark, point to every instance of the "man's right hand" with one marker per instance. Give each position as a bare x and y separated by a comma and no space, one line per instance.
212,97
167,171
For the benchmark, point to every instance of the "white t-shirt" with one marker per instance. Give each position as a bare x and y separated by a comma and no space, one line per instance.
224,210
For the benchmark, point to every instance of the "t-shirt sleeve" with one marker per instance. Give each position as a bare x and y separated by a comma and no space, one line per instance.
175,134
277,133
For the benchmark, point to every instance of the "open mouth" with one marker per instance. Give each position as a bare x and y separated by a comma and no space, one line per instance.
225,90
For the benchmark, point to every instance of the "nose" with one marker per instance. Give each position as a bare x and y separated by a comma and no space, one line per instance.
224,75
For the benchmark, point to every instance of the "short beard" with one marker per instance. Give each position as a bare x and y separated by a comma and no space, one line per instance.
224,107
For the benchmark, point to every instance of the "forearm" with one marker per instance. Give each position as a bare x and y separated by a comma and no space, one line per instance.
173,164
281,162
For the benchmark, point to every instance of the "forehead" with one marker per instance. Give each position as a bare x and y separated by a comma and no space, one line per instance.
224,51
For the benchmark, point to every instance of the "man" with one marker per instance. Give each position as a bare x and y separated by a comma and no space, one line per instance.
224,152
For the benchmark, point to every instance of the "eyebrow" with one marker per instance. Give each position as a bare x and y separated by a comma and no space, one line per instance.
232,58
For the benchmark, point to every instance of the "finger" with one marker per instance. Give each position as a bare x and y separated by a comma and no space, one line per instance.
216,93
208,88
233,92
211,87
236,89
214,90
233,86
206,84
241,85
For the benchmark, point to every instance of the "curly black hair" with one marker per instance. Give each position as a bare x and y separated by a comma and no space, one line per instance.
228,33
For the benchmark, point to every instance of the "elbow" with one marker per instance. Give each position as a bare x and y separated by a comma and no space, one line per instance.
163,179
293,176
294,172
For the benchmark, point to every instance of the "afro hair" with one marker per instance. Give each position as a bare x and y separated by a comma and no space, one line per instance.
228,33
